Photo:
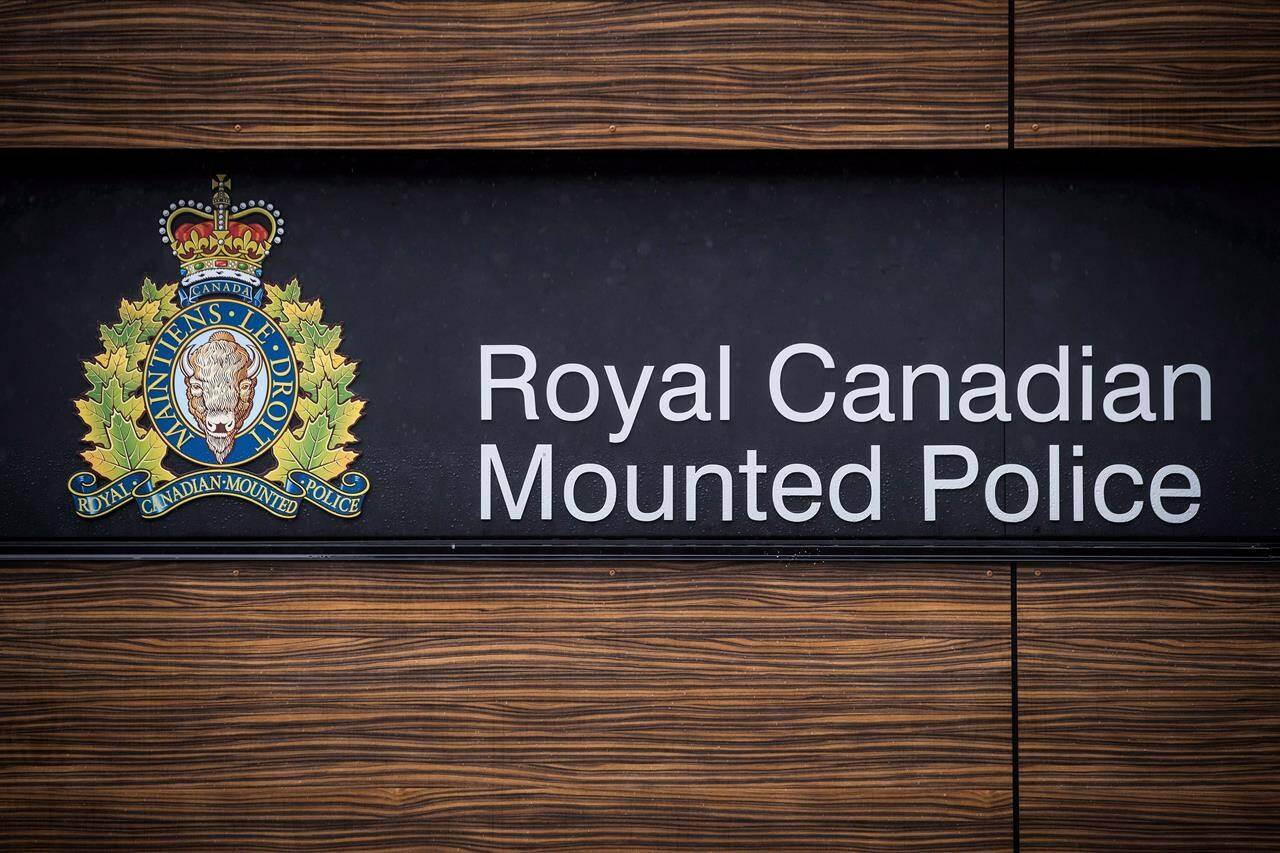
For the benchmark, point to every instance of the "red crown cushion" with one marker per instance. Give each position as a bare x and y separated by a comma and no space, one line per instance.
234,228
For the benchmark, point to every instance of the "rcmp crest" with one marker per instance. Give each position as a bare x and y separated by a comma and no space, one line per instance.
219,384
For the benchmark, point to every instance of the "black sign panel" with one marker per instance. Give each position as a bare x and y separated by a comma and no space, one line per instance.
660,348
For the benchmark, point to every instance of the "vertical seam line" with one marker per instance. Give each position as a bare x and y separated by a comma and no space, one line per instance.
1013,703
1009,74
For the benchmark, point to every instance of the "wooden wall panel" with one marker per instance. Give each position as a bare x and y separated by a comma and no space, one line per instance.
802,73
1150,73
1149,707
779,705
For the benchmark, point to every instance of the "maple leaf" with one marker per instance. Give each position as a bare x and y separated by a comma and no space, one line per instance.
96,413
311,449
145,313
328,365
125,336
128,450
112,365
278,296
329,401
295,314
317,337
164,296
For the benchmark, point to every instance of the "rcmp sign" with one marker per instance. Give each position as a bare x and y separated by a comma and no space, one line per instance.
902,355
221,371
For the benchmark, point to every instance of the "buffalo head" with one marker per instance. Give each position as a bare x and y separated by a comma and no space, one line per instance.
221,378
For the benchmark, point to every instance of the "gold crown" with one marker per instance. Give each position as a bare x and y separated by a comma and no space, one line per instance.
219,237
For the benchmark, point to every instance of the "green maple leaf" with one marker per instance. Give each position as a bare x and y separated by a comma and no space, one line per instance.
277,296
108,366
128,450
316,337
295,314
164,296
145,313
329,401
312,449
326,365
112,407
157,305
125,336
96,413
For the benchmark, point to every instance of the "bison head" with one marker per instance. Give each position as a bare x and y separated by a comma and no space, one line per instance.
221,378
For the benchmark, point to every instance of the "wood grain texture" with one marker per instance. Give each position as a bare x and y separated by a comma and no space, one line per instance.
620,74
589,707
1149,707
1158,73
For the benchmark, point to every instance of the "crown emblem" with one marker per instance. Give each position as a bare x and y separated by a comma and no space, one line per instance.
221,247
